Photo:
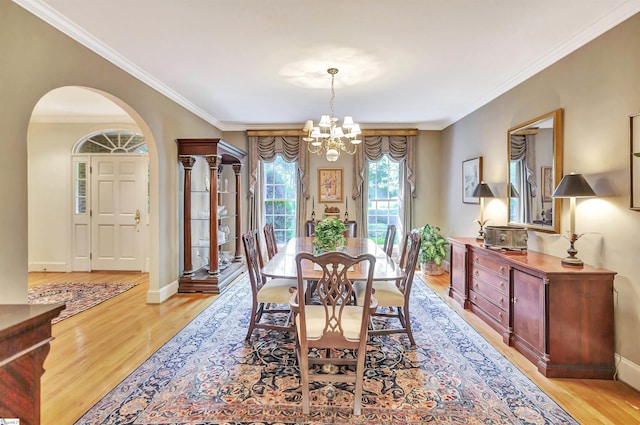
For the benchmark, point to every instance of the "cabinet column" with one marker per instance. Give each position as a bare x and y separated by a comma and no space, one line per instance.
237,168
187,162
214,266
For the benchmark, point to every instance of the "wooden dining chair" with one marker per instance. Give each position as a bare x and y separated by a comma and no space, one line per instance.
333,322
388,239
269,296
393,297
270,240
352,229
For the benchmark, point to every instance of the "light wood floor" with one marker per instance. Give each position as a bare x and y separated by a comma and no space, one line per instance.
96,349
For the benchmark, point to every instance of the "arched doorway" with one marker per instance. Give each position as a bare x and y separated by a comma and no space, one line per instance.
60,119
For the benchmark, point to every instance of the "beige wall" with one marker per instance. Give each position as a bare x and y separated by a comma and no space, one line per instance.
599,87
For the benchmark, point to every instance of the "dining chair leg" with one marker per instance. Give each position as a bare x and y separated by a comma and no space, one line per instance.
304,377
252,321
357,401
404,314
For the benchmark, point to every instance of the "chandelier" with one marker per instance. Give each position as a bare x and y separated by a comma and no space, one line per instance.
328,138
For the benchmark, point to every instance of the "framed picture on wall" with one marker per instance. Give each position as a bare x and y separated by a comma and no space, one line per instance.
471,177
546,177
330,185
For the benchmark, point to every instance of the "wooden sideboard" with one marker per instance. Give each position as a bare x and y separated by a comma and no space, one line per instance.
559,317
25,333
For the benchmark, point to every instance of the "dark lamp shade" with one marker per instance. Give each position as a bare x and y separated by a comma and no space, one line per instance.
513,192
573,186
482,190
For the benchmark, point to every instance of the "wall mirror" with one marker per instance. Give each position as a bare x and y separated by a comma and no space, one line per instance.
534,152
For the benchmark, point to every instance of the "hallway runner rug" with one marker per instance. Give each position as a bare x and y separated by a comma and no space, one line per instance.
207,374
78,296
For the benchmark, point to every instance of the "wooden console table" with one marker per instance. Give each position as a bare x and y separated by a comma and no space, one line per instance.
559,317
25,333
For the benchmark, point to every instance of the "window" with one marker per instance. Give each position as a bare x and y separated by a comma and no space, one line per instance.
280,198
383,203
115,141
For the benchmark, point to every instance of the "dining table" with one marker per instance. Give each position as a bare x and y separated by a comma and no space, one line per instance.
283,264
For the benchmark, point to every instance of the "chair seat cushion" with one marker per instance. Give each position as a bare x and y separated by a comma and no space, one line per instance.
315,318
387,293
276,291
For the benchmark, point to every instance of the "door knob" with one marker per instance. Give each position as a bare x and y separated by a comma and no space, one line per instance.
137,217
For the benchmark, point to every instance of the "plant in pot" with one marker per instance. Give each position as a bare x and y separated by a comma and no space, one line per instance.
433,250
329,235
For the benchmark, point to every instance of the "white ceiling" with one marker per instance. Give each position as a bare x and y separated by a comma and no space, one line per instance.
262,64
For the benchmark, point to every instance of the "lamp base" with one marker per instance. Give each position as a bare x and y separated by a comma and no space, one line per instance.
572,261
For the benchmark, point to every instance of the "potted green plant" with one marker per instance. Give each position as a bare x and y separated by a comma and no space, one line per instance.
433,250
329,234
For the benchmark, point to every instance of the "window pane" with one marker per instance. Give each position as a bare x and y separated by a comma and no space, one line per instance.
383,202
280,198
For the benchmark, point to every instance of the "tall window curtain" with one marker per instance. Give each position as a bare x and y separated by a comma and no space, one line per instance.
400,149
265,149
522,151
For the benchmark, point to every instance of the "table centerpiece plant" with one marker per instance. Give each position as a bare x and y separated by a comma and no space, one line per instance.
329,235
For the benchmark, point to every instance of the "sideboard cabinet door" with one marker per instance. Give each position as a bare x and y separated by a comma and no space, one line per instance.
528,307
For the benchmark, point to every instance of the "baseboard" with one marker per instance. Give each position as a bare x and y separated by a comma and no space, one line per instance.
628,372
163,294
48,267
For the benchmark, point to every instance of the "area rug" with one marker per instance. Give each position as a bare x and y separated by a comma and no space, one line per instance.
207,374
78,296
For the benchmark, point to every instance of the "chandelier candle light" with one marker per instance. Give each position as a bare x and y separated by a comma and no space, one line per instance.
328,138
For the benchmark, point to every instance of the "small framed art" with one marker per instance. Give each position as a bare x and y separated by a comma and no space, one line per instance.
546,177
330,187
471,176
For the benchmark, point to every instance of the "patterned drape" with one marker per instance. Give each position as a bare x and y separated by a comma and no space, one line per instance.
400,149
265,149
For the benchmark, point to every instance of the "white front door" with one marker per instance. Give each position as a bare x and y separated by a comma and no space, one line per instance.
118,211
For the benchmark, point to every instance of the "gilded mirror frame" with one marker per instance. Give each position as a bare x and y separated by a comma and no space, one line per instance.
539,224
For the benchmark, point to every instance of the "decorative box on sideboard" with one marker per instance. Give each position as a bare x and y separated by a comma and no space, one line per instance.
559,317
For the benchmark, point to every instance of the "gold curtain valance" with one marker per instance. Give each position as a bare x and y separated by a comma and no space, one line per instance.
365,132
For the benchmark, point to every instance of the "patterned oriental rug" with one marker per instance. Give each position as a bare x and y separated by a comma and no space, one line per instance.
207,374
77,296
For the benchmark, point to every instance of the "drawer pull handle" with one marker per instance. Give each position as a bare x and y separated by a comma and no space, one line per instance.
477,260
514,300
501,269
477,286
501,284
500,316
501,300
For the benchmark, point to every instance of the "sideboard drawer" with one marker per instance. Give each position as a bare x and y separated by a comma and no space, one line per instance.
491,293
498,267
497,281
493,311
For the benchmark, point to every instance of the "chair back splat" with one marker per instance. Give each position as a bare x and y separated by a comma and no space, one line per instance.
388,239
329,321
270,240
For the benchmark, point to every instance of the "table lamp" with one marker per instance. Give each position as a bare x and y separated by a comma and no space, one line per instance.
573,186
482,191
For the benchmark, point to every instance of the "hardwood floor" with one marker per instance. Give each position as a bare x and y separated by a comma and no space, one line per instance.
96,349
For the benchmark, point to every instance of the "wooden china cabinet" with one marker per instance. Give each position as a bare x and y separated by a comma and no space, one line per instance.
211,248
